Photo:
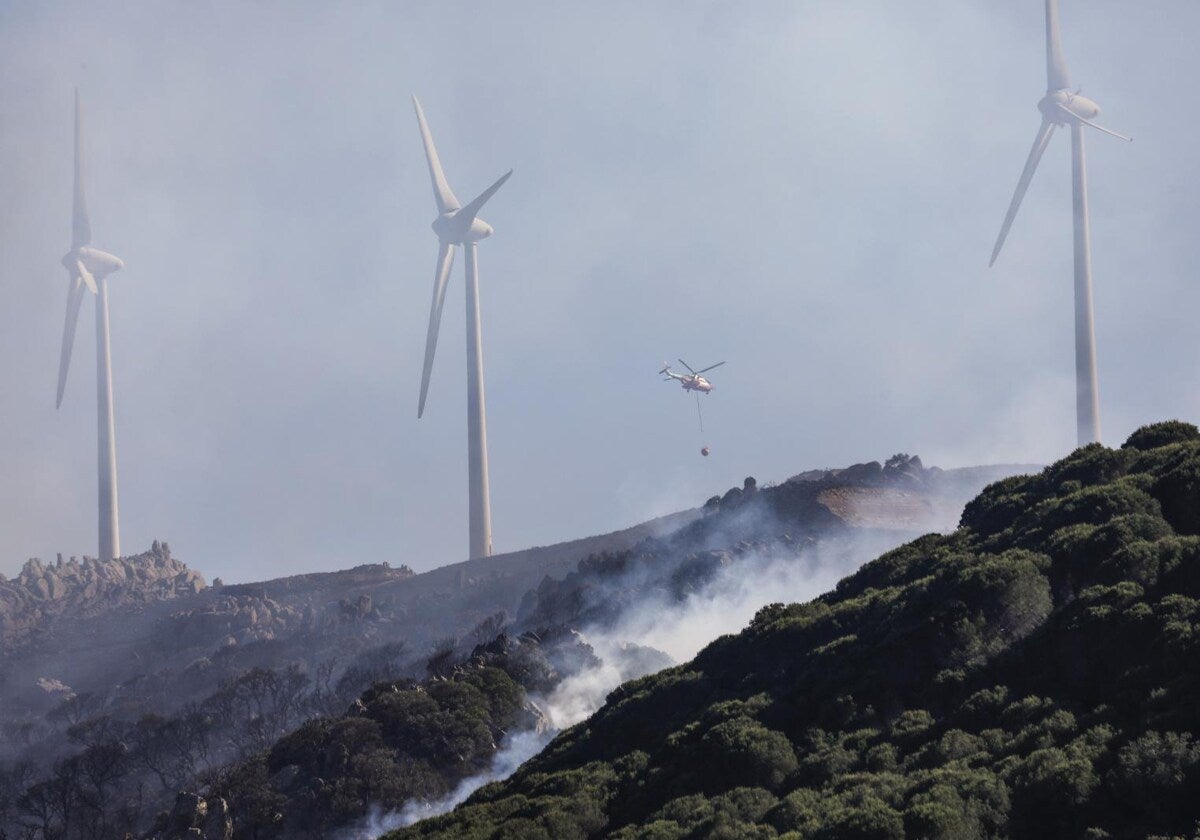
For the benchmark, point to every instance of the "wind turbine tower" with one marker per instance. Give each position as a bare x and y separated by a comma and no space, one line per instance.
459,226
1062,107
88,268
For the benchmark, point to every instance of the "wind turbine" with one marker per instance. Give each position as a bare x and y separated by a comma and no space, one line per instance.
1061,107
88,268
458,225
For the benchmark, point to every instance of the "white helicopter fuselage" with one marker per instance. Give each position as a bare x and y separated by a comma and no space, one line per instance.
692,382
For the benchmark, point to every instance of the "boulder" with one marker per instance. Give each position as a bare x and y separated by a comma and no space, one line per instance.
868,473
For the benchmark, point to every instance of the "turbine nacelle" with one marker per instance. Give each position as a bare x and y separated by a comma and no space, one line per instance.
98,263
457,228
1059,106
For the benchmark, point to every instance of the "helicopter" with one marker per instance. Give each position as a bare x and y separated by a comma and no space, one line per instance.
692,381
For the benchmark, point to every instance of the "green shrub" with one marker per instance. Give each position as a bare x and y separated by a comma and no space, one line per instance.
1049,786
1178,491
871,819
1162,434
936,820
1157,773
1089,465
998,506
745,752
801,811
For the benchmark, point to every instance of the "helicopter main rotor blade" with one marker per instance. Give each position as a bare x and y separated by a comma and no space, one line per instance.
710,367
686,365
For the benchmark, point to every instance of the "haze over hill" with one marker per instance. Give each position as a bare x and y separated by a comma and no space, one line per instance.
214,674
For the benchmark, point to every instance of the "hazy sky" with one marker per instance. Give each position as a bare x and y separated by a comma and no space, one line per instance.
809,190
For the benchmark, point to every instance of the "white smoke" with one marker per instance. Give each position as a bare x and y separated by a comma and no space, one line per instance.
515,751
732,597
579,695
725,604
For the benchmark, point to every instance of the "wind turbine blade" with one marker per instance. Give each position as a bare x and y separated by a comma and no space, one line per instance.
74,299
441,189
1057,77
86,277
686,365
445,260
710,367
1035,155
81,226
477,203
1091,124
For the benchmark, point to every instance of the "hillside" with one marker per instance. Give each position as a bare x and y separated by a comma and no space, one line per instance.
412,747
1036,673
133,627
188,687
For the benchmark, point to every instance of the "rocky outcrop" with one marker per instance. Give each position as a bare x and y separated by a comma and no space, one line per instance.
901,469
901,493
75,588
239,619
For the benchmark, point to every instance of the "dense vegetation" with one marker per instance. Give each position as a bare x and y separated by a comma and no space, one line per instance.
1034,674
403,741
